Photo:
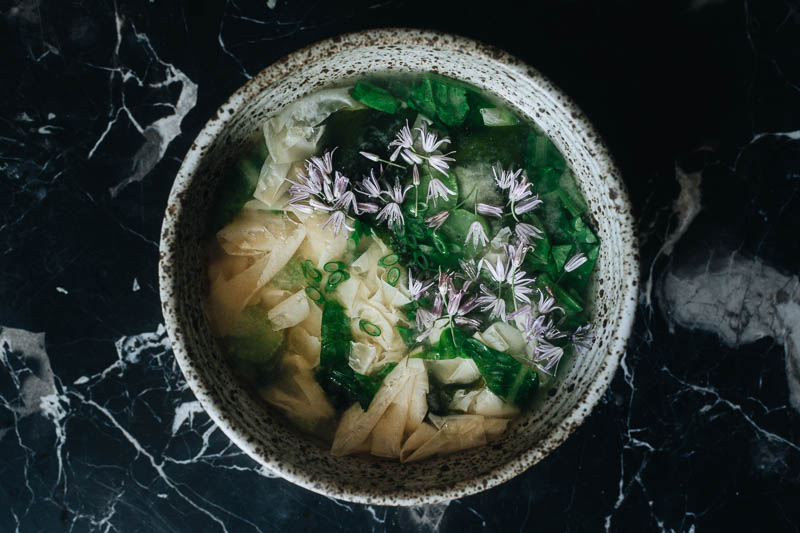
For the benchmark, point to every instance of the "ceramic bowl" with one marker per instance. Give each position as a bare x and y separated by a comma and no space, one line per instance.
265,437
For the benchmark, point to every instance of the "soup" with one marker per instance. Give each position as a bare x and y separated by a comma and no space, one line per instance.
398,265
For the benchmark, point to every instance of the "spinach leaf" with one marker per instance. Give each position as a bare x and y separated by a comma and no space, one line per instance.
334,374
503,145
252,345
237,187
504,375
375,97
367,130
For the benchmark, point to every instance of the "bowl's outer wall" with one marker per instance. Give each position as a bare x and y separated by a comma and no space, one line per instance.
183,283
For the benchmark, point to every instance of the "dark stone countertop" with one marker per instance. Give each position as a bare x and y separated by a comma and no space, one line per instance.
699,101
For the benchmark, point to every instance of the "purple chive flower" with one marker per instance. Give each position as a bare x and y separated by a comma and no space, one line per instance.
315,190
415,176
393,212
441,162
437,189
477,234
445,281
526,232
574,262
489,301
547,356
519,190
370,186
368,207
429,141
403,140
324,163
505,179
547,304
521,287
370,156
498,271
337,220
583,337
437,220
410,157
516,255
469,270
457,309
490,210
528,205
417,288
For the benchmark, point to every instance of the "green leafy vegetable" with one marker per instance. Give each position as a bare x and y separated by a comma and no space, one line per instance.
290,277
237,188
571,303
504,145
334,374
504,375
408,335
375,97
253,345
421,98
451,103
367,130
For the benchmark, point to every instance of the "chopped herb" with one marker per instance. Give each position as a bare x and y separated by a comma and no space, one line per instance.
388,260
393,276
333,266
369,328
310,271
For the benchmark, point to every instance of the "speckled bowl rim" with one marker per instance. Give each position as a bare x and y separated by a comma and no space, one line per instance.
589,136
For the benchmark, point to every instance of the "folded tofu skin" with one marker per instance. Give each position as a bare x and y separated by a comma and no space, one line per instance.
398,266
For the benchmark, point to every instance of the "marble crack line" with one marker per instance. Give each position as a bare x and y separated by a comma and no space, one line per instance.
159,134
718,399
156,465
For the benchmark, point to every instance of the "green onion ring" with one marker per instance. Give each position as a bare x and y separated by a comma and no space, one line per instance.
333,266
388,260
310,272
393,276
314,294
369,328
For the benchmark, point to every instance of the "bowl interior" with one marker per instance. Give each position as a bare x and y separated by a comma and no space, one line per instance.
266,437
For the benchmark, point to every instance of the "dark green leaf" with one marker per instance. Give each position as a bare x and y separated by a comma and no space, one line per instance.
504,375
334,374
237,187
375,97
504,145
421,99
253,345
451,103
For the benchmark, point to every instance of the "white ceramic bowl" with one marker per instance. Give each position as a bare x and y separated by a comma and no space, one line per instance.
183,279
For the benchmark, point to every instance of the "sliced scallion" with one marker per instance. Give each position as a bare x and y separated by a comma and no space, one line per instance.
388,260
369,328
314,294
333,266
310,272
335,279
421,260
393,276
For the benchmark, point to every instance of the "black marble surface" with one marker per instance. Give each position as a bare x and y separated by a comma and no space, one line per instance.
700,102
